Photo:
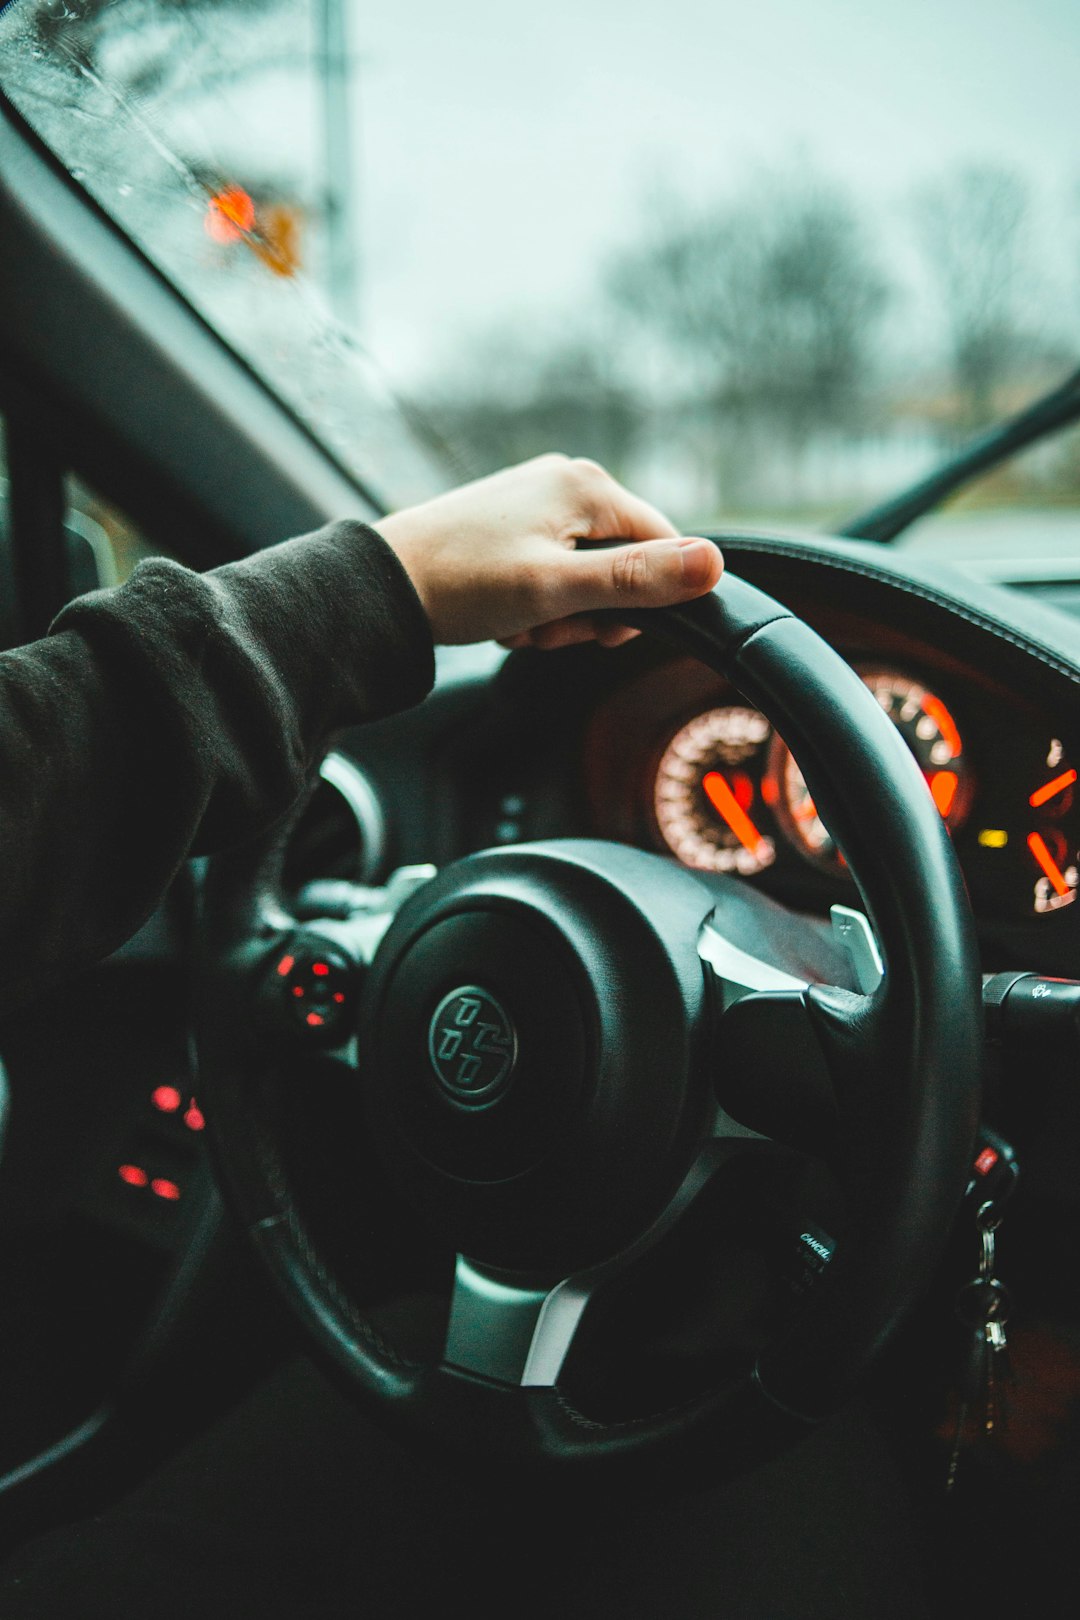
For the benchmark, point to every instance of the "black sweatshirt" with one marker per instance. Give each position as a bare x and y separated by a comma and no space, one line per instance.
177,715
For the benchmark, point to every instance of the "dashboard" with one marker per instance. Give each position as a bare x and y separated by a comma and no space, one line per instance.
639,745
648,747
676,761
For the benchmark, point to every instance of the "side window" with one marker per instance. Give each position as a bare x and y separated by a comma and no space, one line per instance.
59,537
103,545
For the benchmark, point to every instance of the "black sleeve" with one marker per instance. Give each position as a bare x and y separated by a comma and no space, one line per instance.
179,714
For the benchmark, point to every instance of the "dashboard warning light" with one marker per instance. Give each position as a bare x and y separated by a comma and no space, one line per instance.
133,1175
993,838
194,1118
986,1161
166,1099
314,1019
743,789
320,969
163,1188
285,966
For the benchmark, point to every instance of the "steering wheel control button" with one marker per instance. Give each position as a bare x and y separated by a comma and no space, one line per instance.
314,982
1026,1011
472,1044
813,1249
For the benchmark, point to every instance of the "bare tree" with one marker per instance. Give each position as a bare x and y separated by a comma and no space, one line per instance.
973,227
509,397
766,304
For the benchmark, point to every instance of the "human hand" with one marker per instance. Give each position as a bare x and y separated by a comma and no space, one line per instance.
502,558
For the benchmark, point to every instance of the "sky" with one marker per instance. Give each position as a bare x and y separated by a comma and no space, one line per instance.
505,149
502,152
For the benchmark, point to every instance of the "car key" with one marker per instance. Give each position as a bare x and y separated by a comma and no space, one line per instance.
983,1305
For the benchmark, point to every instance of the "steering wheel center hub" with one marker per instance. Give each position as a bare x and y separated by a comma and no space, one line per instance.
530,1024
472,1045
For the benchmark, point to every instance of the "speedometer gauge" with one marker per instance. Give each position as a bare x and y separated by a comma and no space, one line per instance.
931,733
706,792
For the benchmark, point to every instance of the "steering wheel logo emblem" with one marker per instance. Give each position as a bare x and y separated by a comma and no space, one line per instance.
472,1045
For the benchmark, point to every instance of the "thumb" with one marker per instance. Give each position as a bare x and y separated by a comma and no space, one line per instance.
649,573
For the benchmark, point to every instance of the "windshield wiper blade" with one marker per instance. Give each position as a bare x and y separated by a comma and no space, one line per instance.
1046,415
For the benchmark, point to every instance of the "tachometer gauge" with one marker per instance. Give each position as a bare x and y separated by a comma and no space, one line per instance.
707,791
929,731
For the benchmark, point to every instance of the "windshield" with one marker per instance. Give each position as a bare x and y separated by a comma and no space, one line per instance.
767,264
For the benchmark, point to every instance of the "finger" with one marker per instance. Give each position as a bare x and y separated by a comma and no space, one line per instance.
558,633
614,635
628,517
654,573
569,632
615,513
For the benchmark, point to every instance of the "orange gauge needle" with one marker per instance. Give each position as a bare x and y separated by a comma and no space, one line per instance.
1049,790
1053,871
943,786
726,805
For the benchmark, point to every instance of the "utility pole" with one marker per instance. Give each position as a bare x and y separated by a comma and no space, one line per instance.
343,267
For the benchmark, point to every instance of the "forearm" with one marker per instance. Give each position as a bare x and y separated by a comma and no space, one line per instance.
177,715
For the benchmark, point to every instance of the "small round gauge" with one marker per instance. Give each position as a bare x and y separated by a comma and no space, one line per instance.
1022,851
1051,839
706,792
929,731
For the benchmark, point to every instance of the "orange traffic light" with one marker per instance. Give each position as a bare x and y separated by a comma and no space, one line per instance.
272,231
230,214
276,242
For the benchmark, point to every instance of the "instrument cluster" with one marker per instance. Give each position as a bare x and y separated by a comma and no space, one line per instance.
715,785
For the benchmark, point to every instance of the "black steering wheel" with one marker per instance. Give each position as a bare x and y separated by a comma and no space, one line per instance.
558,1053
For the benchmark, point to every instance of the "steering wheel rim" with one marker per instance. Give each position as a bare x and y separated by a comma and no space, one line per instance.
906,1061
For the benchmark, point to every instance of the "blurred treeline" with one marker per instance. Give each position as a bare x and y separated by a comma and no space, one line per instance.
782,349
